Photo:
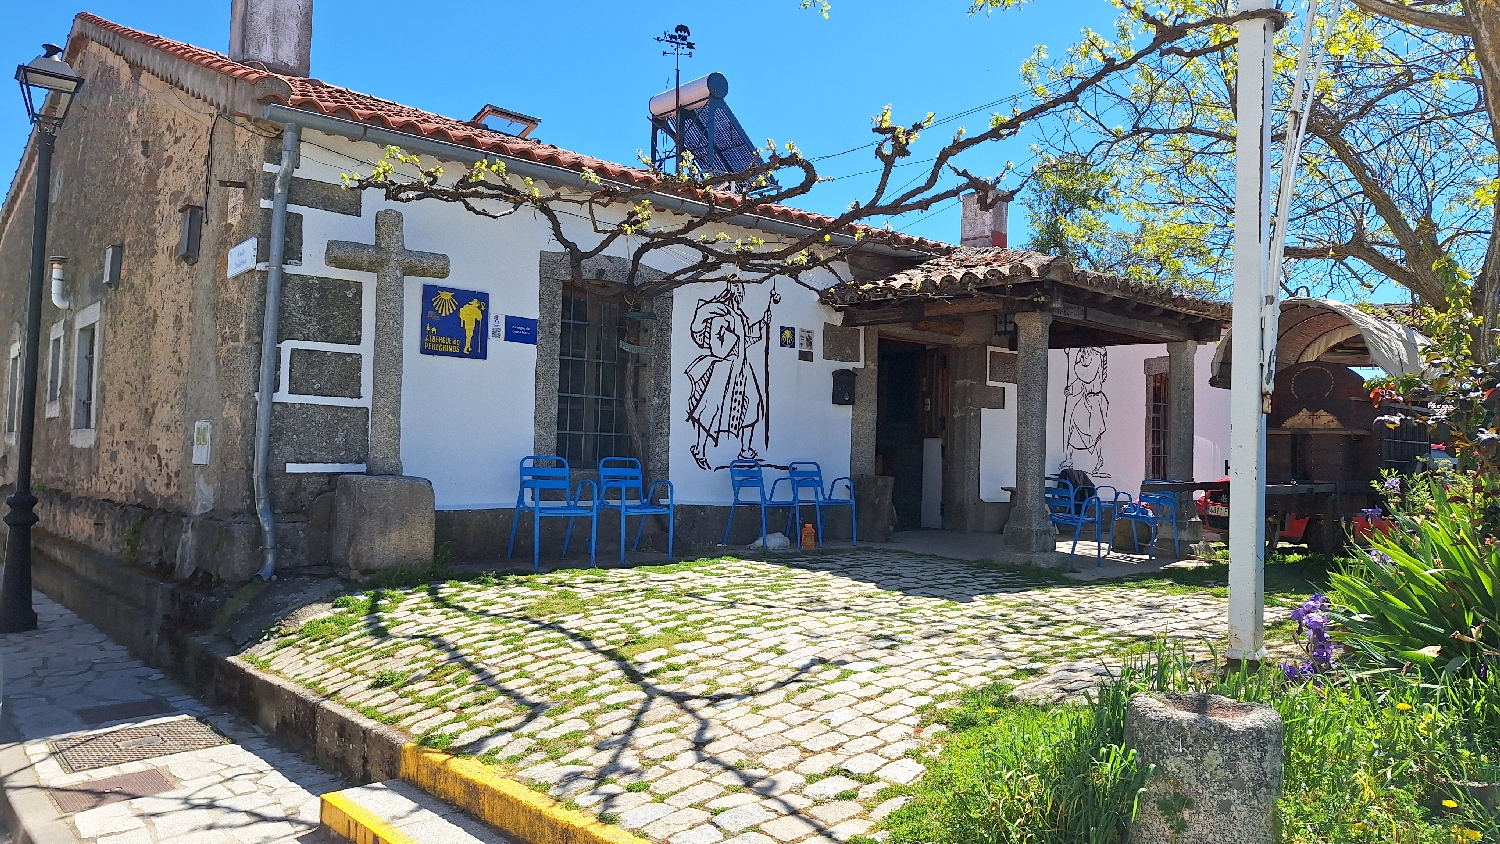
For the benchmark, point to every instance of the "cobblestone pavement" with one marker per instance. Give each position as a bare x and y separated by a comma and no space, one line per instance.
68,680
718,700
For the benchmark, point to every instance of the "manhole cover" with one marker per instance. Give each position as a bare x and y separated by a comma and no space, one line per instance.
132,744
92,795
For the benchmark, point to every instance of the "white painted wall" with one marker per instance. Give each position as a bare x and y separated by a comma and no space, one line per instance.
997,448
1210,420
805,424
1124,440
466,423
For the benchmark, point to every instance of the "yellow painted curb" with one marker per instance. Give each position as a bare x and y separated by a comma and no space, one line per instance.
350,820
502,802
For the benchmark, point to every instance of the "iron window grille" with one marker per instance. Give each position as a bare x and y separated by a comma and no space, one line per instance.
1403,447
1156,426
592,390
83,378
54,368
13,393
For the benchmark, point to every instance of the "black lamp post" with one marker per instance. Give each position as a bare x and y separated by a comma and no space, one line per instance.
48,86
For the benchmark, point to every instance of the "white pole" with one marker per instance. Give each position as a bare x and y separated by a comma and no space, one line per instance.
1247,433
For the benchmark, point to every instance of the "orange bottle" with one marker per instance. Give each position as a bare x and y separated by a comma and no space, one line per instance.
809,536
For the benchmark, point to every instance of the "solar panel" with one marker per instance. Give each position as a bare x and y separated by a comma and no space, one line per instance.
710,132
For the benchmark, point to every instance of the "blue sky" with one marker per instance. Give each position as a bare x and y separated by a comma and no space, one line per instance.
587,68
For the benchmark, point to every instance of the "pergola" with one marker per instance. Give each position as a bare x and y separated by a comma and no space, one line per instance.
1053,305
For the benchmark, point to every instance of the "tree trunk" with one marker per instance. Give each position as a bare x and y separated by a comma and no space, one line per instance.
1483,17
1485,296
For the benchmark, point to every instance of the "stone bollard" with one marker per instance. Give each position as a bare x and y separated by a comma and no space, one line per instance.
1218,769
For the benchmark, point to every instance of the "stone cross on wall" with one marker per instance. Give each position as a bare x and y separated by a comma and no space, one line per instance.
391,262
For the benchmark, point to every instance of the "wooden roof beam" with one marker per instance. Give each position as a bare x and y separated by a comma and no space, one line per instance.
1148,330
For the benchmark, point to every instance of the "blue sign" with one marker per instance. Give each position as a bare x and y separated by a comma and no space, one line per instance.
519,329
453,322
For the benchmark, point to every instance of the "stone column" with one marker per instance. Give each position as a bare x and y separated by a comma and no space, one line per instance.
866,400
1217,768
1181,388
1029,529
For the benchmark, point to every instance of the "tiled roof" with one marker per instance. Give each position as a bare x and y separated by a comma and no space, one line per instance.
965,271
317,96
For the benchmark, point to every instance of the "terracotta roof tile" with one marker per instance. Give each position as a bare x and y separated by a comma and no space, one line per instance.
965,271
317,96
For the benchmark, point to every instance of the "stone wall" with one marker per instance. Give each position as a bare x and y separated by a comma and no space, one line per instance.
178,341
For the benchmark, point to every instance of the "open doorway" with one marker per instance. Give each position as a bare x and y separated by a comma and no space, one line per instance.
911,429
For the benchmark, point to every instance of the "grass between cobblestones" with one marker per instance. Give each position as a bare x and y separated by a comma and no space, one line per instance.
734,697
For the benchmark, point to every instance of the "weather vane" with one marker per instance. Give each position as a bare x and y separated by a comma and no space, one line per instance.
677,41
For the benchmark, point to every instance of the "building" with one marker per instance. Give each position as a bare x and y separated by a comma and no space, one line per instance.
382,438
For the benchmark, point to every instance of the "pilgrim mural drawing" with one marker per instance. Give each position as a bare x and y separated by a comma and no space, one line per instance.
470,315
728,396
1086,411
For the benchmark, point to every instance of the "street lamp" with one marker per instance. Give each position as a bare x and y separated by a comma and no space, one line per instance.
48,86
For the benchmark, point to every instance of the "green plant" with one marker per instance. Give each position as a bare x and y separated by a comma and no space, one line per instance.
1369,756
638,786
1428,594
389,677
133,539
1015,773
437,740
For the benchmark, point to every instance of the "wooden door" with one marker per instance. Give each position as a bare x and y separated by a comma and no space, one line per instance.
933,390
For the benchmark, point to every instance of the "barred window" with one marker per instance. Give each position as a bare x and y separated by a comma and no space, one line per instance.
1156,426
13,390
598,382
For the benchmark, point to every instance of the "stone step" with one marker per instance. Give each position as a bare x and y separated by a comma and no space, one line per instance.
396,812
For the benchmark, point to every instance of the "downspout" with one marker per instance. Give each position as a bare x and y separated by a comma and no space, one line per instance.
270,329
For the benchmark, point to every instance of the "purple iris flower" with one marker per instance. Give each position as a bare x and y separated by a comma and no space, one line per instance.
1313,622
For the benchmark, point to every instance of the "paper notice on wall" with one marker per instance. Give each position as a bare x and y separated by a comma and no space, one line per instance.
202,438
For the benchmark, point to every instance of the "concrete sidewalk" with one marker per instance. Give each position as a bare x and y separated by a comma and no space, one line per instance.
96,746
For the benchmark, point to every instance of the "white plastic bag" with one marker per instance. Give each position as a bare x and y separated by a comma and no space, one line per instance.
774,542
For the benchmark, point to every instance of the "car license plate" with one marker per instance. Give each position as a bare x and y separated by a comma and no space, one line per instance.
1218,510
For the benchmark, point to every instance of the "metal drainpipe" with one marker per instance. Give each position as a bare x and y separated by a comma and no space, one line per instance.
270,328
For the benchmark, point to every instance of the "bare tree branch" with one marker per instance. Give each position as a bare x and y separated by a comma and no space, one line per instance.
1441,21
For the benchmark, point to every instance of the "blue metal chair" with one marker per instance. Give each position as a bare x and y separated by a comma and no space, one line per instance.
623,474
750,475
808,475
1110,501
1154,509
544,474
1064,510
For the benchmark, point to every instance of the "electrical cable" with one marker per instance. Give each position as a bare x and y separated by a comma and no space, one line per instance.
949,119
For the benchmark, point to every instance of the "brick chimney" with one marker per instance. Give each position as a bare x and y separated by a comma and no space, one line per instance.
274,33
984,228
